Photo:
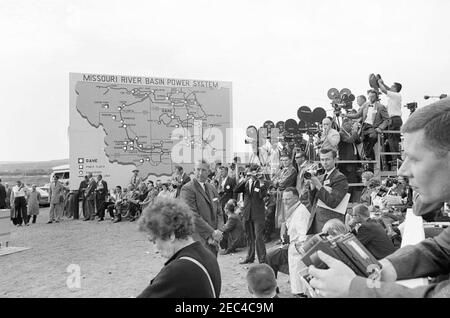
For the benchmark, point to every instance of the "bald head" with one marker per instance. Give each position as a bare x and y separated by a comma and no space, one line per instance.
326,124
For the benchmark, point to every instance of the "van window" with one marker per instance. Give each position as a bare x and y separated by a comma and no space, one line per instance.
66,175
60,175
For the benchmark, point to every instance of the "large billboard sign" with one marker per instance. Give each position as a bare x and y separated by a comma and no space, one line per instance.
121,123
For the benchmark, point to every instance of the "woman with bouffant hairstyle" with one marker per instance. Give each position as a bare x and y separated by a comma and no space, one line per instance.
191,271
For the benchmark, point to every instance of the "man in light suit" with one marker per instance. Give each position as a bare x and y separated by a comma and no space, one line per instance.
55,197
90,198
254,190
203,200
330,137
427,166
330,188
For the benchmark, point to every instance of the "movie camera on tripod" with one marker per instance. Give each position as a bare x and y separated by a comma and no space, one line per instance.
342,99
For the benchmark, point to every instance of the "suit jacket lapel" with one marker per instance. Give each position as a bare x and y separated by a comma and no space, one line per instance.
200,189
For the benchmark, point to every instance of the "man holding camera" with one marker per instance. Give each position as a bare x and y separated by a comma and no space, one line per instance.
254,190
375,118
329,189
330,137
427,165
285,178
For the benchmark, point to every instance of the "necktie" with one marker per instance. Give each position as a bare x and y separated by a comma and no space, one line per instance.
325,177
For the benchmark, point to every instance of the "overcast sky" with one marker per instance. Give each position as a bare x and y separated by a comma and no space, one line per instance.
279,55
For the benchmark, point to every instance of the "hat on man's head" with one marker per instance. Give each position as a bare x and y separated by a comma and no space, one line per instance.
135,170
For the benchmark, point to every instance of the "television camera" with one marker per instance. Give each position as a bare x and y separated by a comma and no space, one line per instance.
411,106
342,99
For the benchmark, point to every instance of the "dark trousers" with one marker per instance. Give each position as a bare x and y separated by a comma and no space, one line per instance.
269,223
89,209
277,258
255,234
34,219
395,123
105,206
20,206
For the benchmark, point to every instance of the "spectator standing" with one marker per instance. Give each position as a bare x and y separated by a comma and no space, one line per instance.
90,198
394,109
18,196
8,196
101,192
2,196
254,190
203,200
285,178
348,151
33,203
81,194
56,199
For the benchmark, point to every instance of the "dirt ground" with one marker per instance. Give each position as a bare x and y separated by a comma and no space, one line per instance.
115,260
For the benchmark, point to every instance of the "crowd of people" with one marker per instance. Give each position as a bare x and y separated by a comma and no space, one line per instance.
297,203
217,209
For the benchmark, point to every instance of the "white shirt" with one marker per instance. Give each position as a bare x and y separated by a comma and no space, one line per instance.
370,115
202,184
394,104
19,192
223,182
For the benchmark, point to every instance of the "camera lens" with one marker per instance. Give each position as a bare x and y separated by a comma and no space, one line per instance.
307,175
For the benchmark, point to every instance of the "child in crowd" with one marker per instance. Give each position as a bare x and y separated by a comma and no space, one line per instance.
261,281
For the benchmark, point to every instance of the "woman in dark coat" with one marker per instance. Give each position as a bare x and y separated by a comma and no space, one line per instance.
191,271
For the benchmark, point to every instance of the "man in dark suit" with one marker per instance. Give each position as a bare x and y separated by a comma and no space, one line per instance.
370,233
81,191
330,188
101,192
254,190
203,200
285,178
90,198
348,151
226,188
180,179
2,196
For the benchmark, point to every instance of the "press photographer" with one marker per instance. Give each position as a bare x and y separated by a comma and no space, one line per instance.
375,118
329,138
427,166
326,192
